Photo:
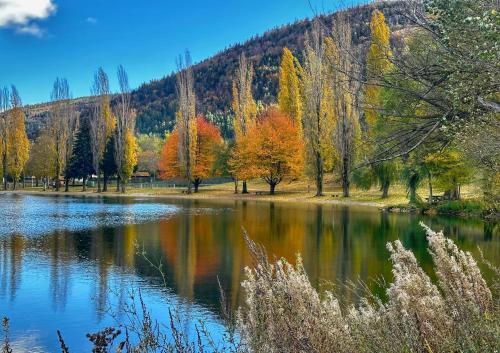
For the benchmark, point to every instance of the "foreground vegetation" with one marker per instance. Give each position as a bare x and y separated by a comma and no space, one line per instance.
283,312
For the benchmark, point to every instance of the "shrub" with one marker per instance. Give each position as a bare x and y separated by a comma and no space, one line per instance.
284,313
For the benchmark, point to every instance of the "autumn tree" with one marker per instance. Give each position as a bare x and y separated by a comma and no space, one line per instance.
61,124
347,128
318,116
208,140
377,65
4,128
186,118
289,97
39,164
18,143
108,161
149,148
101,121
245,112
129,158
125,144
276,148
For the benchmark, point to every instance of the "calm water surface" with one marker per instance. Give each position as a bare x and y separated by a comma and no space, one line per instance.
65,261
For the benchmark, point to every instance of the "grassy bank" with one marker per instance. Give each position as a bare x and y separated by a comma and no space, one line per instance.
298,191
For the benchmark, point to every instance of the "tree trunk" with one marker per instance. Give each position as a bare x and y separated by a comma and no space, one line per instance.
272,186
196,183
123,187
57,176
105,183
345,178
245,189
15,184
98,174
118,183
66,184
319,174
385,189
431,197
4,163
36,181
44,181
84,184
413,194
235,185
24,181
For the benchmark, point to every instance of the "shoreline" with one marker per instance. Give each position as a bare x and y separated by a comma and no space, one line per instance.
297,197
210,195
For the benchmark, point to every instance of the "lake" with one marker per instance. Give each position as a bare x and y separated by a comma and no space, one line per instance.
70,263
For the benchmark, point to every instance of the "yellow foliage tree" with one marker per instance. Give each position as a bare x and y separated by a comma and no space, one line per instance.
289,97
245,113
243,104
377,64
186,119
318,117
18,144
130,156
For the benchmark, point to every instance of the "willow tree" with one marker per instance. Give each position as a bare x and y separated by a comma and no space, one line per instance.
317,98
289,97
245,112
347,128
18,143
125,144
186,118
61,125
100,120
4,128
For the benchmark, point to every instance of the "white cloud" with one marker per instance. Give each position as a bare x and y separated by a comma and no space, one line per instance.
20,14
91,20
31,29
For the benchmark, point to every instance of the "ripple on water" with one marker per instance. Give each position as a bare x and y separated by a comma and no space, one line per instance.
37,215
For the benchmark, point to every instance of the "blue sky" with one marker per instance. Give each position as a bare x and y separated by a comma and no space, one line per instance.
43,39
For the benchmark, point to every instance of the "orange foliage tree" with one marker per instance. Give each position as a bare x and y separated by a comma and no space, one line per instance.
208,140
274,148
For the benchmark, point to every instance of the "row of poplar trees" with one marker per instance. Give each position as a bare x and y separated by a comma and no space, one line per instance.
72,146
14,144
319,99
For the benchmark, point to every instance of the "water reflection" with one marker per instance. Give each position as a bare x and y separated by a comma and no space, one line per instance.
72,266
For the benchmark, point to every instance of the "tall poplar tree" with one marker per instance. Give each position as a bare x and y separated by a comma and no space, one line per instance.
377,65
347,128
186,118
245,113
17,139
317,97
289,97
125,144
100,121
60,124
4,128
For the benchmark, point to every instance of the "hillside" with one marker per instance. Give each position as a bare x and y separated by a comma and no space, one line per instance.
156,101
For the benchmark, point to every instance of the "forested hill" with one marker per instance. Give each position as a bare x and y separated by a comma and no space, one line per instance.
156,100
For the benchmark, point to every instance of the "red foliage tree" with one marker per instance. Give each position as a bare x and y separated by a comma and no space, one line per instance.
274,148
208,139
